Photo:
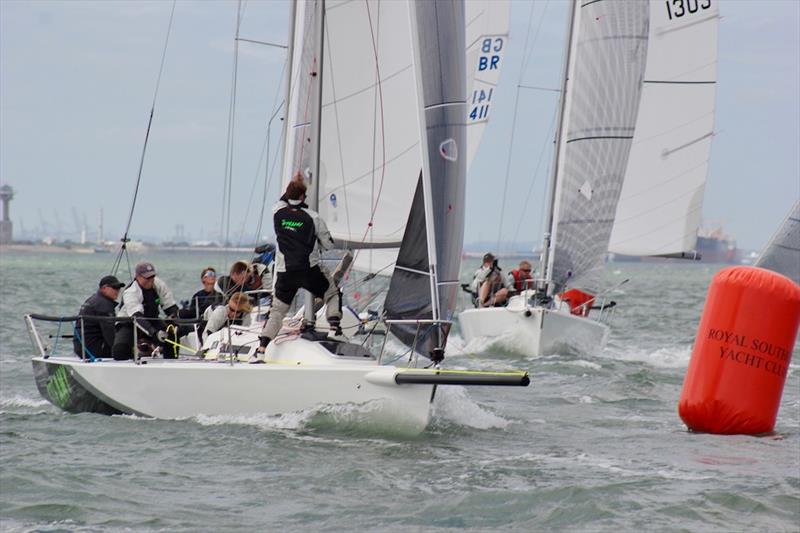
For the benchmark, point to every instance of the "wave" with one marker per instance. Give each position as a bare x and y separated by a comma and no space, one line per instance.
19,401
453,405
667,357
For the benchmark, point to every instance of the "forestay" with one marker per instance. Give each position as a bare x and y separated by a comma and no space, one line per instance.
425,279
782,253
609,46
660,205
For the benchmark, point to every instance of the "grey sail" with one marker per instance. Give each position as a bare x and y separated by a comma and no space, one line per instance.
425,280
605,77
782,254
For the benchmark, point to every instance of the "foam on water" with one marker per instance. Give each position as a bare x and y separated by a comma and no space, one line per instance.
19,401
666,357
454,405
290,421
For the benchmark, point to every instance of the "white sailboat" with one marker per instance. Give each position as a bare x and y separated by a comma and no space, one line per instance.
782,253
301,373
604,67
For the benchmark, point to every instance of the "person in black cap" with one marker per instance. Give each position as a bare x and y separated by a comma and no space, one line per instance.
97,336
142,300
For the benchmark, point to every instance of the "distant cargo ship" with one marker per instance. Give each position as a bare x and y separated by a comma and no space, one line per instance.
716,247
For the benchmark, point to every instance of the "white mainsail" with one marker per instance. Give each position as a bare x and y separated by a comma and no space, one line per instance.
487,23
603,88
369,133
370,158
660,205
782,253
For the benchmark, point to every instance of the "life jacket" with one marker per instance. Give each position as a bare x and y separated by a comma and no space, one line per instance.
296,235
519,280
576,298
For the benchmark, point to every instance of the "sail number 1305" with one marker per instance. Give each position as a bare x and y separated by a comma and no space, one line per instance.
679,8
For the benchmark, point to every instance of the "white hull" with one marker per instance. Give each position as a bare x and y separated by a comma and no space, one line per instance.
533,331
299,375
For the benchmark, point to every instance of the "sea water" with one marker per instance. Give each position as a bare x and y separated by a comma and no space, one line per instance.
594,444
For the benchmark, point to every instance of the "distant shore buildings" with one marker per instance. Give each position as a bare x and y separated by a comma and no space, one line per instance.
6,226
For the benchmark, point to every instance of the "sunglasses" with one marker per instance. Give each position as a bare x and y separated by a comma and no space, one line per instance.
210,274
526,270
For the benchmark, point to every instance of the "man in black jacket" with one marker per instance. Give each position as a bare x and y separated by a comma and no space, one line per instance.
97,335
301,235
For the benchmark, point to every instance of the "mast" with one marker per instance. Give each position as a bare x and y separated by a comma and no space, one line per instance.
312,194
289,74
546,258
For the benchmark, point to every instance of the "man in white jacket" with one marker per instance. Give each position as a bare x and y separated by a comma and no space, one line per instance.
142,300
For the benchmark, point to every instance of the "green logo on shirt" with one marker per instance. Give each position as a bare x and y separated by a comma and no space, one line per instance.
291,223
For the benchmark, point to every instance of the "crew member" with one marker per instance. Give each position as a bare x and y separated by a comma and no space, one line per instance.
142,300
97,336
489,284
520,278
301,235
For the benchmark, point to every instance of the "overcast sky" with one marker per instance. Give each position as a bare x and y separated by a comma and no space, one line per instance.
77,83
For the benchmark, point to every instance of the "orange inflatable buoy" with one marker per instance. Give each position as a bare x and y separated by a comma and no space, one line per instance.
741,353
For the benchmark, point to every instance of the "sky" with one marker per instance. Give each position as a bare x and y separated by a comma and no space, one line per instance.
77,81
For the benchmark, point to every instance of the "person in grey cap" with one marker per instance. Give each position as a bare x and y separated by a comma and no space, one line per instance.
93,337
142,300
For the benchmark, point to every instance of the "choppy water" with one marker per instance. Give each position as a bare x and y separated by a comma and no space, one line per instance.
595,444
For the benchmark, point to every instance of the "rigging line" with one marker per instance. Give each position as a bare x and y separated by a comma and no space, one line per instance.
264,153
537,88
536,172
125,239
374,141
330,76
513,128
374,206
265,43
228,143
269,174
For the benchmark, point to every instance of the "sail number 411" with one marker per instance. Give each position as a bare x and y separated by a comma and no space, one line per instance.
679,8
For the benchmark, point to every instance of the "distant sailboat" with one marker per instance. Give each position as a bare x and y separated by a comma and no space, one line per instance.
604,67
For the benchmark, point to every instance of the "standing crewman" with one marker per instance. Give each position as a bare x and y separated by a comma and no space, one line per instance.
301,235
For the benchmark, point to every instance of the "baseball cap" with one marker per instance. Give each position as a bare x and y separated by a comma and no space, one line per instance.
145,269
111,281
